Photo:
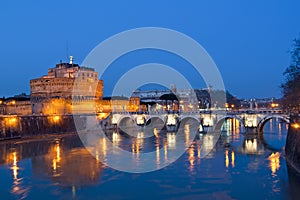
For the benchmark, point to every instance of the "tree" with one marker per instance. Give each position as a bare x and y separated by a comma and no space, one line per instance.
232,101
169,97
291,86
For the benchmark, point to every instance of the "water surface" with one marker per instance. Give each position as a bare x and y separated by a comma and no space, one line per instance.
240,166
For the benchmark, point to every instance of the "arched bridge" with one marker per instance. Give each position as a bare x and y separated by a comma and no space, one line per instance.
252,121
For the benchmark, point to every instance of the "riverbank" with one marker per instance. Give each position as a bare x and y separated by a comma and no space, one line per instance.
16,127
35,138
292,147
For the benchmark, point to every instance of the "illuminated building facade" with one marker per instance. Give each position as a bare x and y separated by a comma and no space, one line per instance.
17,105
66,88
69,88
116,104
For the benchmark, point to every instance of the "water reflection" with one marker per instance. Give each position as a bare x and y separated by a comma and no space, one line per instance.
232,127
227,160
116,138
232,159
171,140
15,167
191,157
18,188
56,159
274,165
67,166
253,145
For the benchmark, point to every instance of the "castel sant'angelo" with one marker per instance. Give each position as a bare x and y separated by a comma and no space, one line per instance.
67,88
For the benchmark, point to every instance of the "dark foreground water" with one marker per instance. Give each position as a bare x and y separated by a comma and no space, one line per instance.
240,166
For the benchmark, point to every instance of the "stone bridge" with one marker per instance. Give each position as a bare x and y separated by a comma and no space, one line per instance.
250,120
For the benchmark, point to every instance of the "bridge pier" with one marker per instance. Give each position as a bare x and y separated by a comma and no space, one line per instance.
172,123
251,130
251,121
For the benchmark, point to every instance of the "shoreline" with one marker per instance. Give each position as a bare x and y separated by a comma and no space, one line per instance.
35,138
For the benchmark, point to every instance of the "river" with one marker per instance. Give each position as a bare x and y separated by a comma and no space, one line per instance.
239,166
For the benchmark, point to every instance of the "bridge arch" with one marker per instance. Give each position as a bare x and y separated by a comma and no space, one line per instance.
221,121
126,120
194,122
189,117
156,121
262,122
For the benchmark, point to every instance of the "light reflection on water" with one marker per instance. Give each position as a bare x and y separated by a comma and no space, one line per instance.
239,163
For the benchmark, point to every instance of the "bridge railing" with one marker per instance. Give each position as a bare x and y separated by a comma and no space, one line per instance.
209,111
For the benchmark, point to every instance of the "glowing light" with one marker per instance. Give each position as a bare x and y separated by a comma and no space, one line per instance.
232,159
97,155
54,165
101,116
73,191
200,128
207,121
140,120
11,121
274,162
171,139
15,166
208,143
157,155
137,147
295,125
171,120
165,151
273,105
57,157
187,134
155,132
250,146
199,151
140,135
115,138
56,119
226,159
251,121
191,157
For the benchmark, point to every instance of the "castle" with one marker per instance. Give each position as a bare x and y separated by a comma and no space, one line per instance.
67,89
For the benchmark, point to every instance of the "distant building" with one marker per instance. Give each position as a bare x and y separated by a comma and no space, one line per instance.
67,88
262,103
17,105
119,104
186,103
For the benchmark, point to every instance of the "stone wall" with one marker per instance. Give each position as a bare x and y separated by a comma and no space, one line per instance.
292,147
13,126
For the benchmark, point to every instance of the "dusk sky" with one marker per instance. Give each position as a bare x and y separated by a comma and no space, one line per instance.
248,40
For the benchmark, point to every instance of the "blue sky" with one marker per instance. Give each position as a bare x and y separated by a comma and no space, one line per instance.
248,40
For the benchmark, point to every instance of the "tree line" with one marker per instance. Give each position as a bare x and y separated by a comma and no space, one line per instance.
291,85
